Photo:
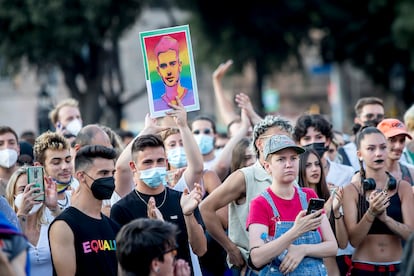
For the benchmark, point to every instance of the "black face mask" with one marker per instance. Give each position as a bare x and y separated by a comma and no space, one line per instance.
373,122
318,147
102,188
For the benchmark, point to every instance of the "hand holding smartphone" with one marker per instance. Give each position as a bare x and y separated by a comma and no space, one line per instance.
35,175
315,204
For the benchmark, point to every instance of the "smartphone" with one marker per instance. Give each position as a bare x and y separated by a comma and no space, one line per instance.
35,175
315,204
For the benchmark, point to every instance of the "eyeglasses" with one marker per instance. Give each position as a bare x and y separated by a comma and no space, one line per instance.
206,131
171,250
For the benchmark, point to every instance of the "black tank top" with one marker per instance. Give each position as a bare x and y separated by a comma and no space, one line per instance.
94,241
393,210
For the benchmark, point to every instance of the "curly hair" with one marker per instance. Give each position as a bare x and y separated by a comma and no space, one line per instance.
268,122
48,140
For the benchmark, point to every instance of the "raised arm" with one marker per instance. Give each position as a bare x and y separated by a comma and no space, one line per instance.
225,107
195,165
233,188
243,101
222,166
196,237
122,163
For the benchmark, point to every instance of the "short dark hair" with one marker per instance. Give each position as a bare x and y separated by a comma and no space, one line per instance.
7,129
86,154
366,101
317,121
141,241
205,118
146,141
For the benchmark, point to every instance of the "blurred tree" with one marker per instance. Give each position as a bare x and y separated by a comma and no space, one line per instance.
376,36
81,38
267,34
371,34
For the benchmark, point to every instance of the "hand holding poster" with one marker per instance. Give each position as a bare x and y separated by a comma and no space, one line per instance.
169,69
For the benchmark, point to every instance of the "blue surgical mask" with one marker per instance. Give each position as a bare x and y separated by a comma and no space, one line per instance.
176,157
205,143
154,177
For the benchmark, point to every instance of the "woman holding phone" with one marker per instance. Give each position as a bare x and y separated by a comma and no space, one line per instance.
34,217
281,234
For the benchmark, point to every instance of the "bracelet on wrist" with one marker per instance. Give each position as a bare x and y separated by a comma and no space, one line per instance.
187,215
339,217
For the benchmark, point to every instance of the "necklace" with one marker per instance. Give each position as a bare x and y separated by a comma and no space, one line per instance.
63,205
159,206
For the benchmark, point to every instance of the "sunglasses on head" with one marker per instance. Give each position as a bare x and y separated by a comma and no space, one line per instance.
205,131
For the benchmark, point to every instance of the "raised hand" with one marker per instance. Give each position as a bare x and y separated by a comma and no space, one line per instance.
51,200
179,114
151,126
221,70
29,195
190,200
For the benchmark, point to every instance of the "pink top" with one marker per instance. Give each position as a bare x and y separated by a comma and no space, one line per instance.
261,212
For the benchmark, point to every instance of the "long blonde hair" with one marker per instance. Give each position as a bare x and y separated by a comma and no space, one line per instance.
11,190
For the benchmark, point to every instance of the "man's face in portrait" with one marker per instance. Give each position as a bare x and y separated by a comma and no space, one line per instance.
169,67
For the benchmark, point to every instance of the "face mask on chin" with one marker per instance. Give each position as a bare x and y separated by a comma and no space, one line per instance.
8,158
18,202
154,177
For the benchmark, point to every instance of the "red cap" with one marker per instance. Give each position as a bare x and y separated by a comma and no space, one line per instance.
393,127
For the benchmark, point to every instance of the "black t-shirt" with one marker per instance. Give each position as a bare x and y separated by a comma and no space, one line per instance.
94,242
132,206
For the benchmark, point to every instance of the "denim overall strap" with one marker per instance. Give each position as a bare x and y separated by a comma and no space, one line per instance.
269,200
309,265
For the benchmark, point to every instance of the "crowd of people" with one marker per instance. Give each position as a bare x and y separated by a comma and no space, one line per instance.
179,199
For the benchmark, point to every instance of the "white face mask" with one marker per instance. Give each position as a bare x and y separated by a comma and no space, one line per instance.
8,158
18,201
74,126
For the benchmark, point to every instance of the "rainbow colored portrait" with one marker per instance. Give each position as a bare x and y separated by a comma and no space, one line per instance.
169,69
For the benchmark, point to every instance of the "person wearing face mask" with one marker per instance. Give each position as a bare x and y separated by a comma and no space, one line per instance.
185,167
369,111
204,131
9,152
66,118
34,217
315,132
154,199
82,238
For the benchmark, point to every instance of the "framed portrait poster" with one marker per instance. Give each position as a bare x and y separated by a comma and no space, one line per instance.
169,69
